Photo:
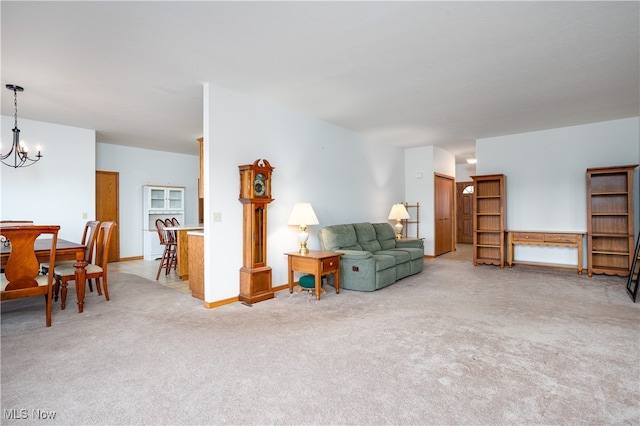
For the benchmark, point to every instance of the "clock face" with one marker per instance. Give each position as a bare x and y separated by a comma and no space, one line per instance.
260,185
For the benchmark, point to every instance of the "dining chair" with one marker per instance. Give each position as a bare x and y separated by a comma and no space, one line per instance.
96,270
21,277
89,240
169,259
175,222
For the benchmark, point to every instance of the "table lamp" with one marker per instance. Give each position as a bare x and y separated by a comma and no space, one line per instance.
303,215
398,213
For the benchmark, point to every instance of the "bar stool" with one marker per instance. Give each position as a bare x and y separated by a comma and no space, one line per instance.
169,258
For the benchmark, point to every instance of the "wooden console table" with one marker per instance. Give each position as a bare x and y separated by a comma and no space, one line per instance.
315,262
537,238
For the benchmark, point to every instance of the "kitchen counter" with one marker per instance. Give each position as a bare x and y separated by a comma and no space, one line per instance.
182,249
186,228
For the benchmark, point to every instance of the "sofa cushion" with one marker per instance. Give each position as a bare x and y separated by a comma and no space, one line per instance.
401,256
417,265
384,261
386,235
403,270
415,253
366,234
354,254
385,278
336,237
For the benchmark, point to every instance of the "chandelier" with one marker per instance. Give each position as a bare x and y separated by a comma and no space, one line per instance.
18,155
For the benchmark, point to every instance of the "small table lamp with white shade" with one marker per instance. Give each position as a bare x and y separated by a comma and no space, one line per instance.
398,213
303,215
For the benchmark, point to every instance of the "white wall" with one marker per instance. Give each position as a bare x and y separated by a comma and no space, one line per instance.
137,167
59,188
421,164
546,177
345,178
464,172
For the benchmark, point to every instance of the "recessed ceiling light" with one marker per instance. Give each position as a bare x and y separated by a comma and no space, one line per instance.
472,160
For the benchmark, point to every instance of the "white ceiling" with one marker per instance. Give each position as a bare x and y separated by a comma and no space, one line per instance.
403,73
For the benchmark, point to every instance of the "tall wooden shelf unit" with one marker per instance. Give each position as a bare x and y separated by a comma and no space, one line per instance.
610,220
489,220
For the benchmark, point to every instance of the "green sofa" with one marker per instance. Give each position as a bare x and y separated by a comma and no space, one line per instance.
372,256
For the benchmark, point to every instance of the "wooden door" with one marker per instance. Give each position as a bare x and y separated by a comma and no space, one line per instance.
464,212
444,214
107,207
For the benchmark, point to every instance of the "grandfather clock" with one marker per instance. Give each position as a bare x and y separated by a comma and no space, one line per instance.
255,196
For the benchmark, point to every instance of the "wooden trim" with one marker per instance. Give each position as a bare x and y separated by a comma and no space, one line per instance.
461,237
125,259
164,186
218,303
555,266
452,212
282,287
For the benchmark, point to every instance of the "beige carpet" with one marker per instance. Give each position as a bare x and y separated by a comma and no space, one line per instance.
455,344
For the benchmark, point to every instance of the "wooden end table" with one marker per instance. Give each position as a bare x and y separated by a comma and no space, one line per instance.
315,262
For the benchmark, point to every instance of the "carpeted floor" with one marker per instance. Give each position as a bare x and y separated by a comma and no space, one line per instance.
455,344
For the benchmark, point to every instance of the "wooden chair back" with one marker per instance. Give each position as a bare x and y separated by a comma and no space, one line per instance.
21,276
89,239
102,244
161,232
175,222
170,236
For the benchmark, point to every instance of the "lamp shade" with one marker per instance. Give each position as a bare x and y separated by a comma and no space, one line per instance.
398,212
303,214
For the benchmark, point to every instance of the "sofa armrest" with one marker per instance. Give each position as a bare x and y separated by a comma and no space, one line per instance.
354,254
410,243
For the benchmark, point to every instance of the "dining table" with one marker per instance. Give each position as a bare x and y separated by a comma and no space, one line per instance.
65,250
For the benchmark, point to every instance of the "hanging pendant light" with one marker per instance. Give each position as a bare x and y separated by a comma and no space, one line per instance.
18,155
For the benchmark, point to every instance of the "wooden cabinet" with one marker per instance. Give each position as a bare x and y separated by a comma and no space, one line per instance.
182,248
195,241
489,219
610,220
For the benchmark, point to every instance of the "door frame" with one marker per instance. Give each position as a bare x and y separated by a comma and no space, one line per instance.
459,195
452,211
114,248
